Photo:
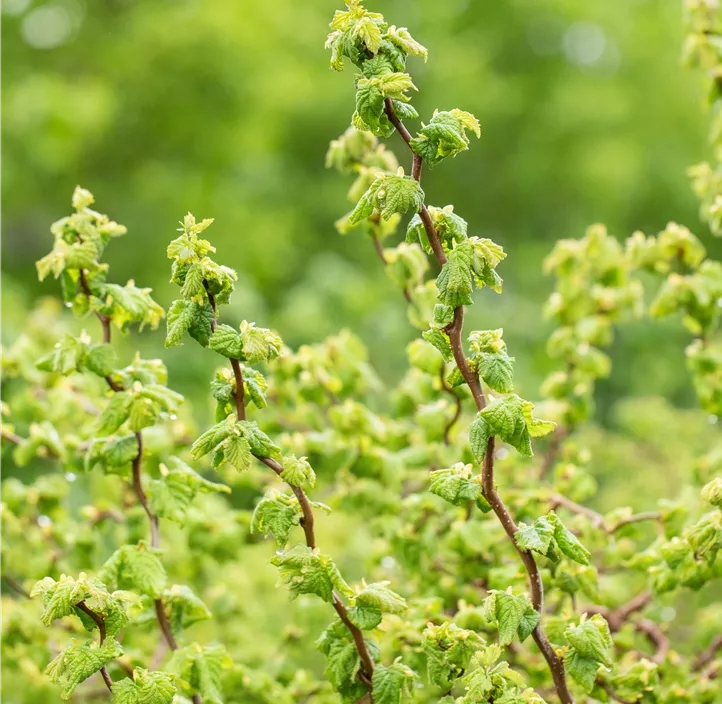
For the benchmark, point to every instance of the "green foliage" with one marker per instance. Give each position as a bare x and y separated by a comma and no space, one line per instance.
145,688
475,541
79,661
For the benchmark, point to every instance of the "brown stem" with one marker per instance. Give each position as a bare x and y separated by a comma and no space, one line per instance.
104,319
16,586
454,331
612,694
239,396
708,654
101,630
597,519
141,495
307,523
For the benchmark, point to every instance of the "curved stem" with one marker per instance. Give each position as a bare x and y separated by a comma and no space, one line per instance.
307,523
455,331
101,630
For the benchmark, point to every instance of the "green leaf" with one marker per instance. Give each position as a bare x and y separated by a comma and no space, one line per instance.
213,437
306,571
276,513
509,611
144,412
100,359
389,194
440,340
445,135
200,328
135,568
116,412
510,419
199,669
403,40
567,542
365,617
537,537
184,606
237,452
227,341
582,670
448,650
391,683
259,344
457,485
298,472
180,318
193,283
171,495
591,639
261,445
497,371
79,661
455,281
145,688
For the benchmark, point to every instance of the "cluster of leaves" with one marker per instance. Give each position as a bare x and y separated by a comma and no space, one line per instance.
566,604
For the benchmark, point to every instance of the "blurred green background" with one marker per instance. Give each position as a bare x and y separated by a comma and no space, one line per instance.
225,108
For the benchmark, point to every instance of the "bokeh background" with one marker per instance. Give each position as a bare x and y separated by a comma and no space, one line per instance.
225,108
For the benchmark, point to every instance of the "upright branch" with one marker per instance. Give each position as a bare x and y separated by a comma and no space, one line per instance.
465,262
234,440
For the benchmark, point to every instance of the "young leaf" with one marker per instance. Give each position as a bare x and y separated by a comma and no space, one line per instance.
79,661
305,571
567,542
145,688
392,683
227,341
455,281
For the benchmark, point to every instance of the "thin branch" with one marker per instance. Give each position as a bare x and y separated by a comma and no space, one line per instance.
455,332
612,694
557,500
141,495
307,523
16,586
708,654
101,630
104,319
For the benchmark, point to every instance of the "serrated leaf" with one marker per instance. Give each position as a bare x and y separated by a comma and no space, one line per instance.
193,283
180,318
497,371
567,542
237,452
305,571
135,568
171,495
537,537
212,438
298,472
276,513
145,688
591,639
440,340
79,661
457,485
199,669
100,359
392,683
115,413
227,341
582,670
444,136
455,282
